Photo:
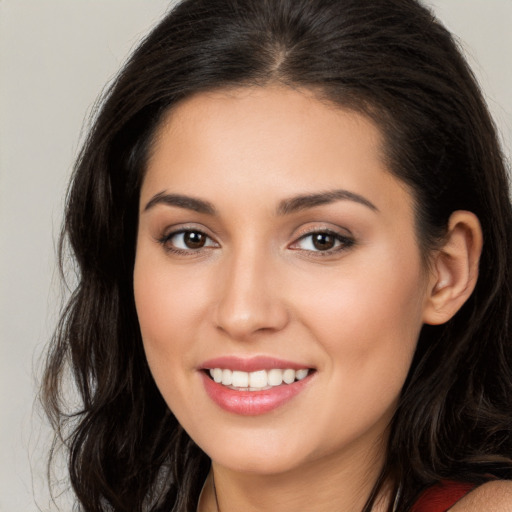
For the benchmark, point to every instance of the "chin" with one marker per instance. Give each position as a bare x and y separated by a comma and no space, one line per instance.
256,464
265,455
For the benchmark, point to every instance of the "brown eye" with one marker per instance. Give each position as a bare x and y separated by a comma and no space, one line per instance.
323,241
194,239
187,241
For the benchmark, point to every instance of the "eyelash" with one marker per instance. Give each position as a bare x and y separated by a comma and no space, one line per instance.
343,242
165,241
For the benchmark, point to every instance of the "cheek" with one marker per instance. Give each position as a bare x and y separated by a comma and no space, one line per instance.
368,329
370,321
167,310
168,306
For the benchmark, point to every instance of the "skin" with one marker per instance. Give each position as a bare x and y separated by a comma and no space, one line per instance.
260,287
492,497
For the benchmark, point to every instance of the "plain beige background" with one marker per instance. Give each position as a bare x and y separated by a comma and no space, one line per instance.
55,57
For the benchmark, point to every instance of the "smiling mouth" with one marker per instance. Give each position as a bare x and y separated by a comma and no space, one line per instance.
260,380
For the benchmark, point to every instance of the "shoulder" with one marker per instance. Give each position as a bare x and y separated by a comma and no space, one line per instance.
494,496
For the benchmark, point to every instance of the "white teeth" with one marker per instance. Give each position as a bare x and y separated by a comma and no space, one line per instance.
275,377
289,376
240,379
217,375
301,374
258,379
255,381
227,377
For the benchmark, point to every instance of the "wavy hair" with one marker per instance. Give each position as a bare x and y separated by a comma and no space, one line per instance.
388,59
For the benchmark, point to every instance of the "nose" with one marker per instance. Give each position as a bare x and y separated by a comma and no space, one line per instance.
250,299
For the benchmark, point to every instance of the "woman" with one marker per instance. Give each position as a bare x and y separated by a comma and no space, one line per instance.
293,230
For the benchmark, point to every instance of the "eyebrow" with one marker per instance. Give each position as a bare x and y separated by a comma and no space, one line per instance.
303,202
181,201
285,207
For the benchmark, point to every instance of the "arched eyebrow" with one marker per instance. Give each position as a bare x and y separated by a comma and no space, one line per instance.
181,201
303,202
285,207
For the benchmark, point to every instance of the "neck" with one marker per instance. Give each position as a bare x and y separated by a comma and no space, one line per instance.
324,486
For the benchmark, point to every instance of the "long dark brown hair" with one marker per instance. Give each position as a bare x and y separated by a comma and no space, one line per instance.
388,59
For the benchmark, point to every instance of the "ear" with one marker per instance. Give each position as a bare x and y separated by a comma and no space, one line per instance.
454,269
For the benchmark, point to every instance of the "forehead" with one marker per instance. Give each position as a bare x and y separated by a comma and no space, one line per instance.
267,142
272,113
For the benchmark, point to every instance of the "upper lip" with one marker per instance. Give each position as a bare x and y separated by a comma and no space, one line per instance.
251,364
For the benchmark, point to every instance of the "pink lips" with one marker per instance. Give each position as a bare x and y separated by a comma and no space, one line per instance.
252,364
251,403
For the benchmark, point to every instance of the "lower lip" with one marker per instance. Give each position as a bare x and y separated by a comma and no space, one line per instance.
252,403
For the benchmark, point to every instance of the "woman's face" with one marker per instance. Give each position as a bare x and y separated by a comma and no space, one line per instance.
272,237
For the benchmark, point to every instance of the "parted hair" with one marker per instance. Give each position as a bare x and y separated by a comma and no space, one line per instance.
388,59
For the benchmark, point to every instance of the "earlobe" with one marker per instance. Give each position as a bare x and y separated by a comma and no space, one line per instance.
454,270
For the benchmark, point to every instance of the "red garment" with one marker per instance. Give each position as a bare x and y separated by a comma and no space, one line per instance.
441,497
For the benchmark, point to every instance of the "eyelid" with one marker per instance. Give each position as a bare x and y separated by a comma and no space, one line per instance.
344,241
174,231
